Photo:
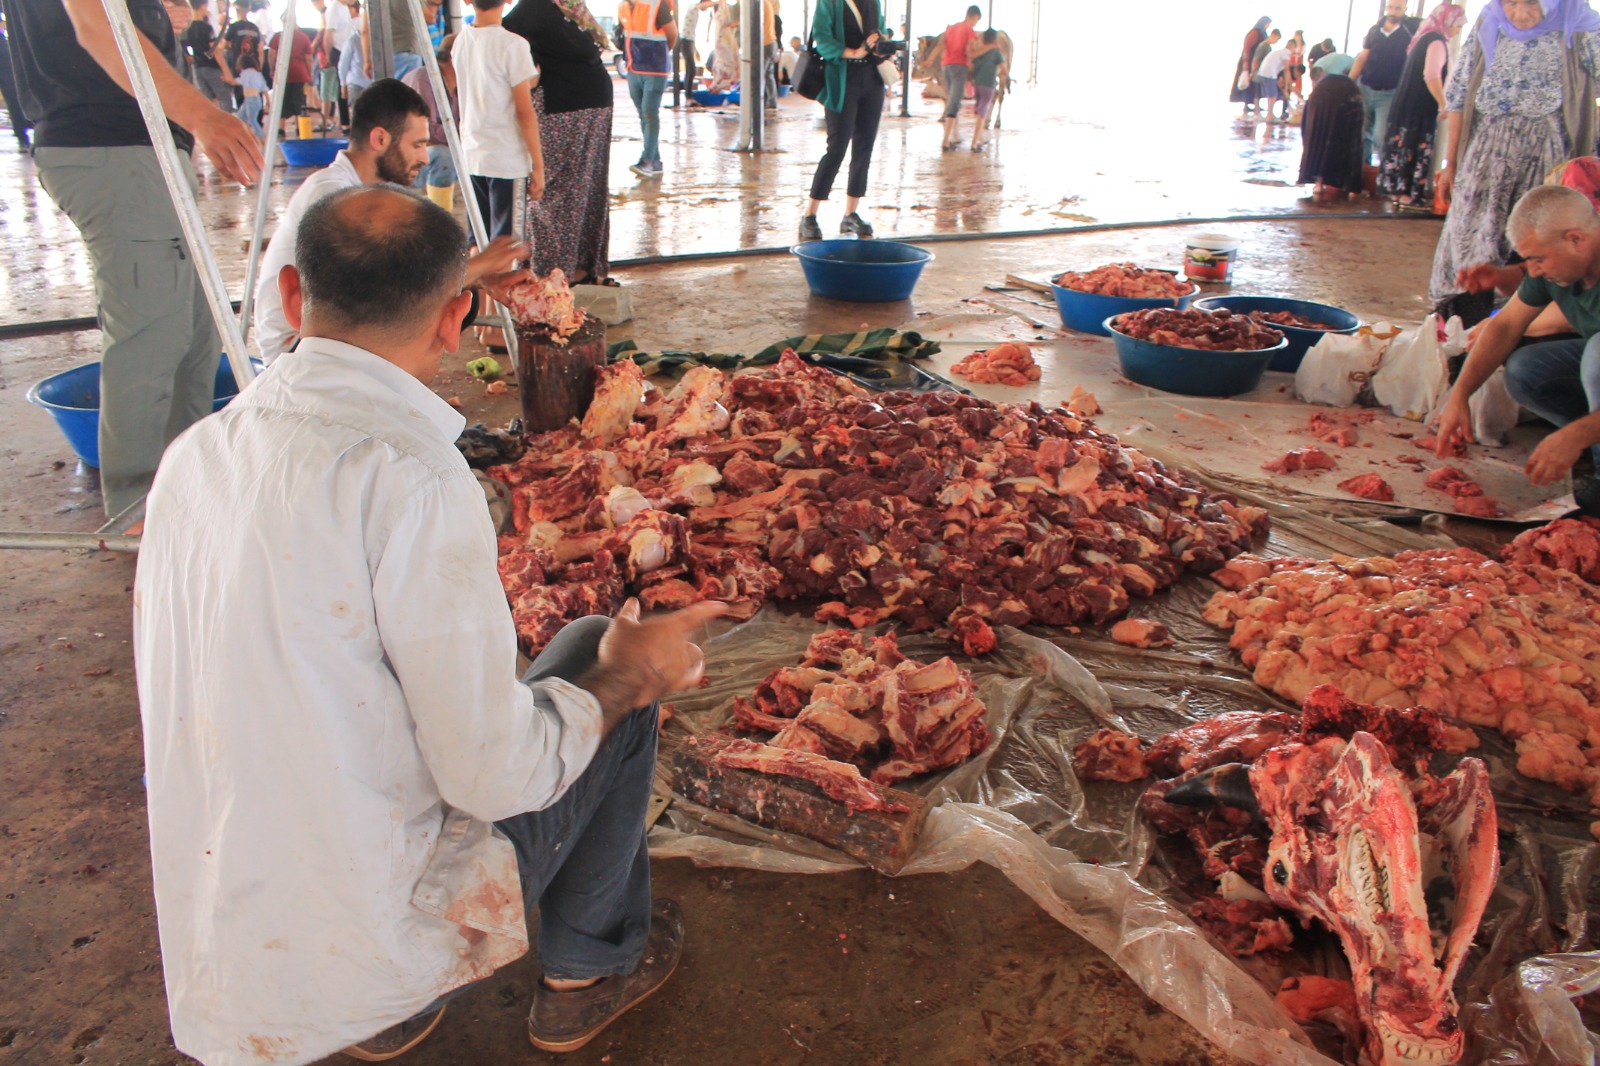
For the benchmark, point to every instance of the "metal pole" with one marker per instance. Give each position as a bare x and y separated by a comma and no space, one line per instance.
751,65
194,233
452,136
911,61
70,542
1349,14
1033,46
252,263
382,41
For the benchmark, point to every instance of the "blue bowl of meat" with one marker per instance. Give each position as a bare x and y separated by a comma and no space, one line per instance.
1194,352
1304,323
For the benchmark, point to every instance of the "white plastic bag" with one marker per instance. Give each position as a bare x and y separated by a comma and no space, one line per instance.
1413,377
1339,365
1494,412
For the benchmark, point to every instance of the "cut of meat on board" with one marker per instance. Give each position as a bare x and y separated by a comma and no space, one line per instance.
1509,646
1010,363
1368,487
865,704
940,511
1458,447
1334,428
1479,506
1141,633
1296,459
817,798
1571,544
1468,494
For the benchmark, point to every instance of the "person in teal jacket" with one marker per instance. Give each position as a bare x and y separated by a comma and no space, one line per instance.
846,34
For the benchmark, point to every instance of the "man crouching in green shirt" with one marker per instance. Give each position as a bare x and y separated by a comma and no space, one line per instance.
1556,230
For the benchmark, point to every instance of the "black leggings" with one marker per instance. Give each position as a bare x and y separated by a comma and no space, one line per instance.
854,125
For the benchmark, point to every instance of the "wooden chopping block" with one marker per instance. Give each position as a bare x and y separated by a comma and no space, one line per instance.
555,378
883,840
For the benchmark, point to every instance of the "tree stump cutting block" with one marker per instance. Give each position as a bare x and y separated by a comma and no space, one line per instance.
883,840
555,378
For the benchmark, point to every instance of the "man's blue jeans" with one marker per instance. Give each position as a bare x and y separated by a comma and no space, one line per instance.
646,90
1375,128
583,860
1557,380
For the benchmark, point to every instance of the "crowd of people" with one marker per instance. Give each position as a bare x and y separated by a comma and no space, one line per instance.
1500,137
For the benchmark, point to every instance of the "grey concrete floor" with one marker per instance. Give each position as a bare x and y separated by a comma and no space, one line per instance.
957,969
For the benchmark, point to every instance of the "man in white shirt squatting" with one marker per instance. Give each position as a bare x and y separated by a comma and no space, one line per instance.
388,143
354,801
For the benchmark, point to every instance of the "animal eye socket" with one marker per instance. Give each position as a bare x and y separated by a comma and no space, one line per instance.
1279,873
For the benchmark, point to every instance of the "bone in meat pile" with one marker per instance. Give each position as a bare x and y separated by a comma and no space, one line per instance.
942,511
861,702
1335,819
543,303
1513,647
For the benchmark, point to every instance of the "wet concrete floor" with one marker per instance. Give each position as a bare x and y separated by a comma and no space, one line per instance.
940,969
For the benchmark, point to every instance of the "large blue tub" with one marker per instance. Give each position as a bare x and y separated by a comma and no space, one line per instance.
1191,371
1300,340
73,400
312,151
1087,312
863,272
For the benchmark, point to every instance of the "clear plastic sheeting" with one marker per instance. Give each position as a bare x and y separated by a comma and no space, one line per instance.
1082,854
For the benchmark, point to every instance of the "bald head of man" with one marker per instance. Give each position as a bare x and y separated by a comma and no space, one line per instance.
1557,232
383,270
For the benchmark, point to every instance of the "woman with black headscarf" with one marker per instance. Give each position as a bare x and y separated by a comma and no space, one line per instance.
1244,71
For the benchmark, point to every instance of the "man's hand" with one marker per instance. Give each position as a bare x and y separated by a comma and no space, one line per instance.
1480,278
1455,422
1552,460
497,257
230,144
642,661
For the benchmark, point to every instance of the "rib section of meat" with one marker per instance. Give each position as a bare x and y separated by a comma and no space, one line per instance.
1484,643
940,511
1336,820
864,704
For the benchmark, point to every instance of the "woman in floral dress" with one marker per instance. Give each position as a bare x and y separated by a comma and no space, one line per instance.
1510,118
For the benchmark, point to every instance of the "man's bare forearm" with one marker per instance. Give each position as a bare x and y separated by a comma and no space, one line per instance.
181,101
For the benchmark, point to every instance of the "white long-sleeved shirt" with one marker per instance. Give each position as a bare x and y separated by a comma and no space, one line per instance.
273,333
332,719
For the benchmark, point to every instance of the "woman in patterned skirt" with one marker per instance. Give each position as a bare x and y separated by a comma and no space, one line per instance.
1511,118
570,227
1407,170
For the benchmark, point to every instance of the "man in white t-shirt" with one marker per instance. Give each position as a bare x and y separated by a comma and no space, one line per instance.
495,78
337,26
1269,81
388,143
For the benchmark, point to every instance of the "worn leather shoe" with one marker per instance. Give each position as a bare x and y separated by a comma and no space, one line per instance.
565,1021
397,1039
810,229
855,224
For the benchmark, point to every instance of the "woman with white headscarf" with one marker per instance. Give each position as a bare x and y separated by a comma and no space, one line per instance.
1520,100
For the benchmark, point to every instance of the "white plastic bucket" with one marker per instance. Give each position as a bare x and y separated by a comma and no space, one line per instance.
1210,256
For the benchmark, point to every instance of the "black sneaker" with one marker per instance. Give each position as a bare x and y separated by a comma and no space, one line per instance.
397,1039
809,229
855,224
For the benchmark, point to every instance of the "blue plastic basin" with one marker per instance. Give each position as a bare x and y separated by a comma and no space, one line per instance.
1300,340
1191,371
863,272
707,98
1087,312
73,400
312,151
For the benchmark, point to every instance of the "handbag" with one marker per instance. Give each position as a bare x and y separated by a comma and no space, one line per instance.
809,77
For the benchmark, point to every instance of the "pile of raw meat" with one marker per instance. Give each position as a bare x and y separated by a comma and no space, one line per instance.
862,702
942,511
1010,363
1286,318
543,303
1513,646
1125,279
1211,331
1566,544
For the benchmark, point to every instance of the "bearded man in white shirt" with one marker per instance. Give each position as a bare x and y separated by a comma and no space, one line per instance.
354,801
